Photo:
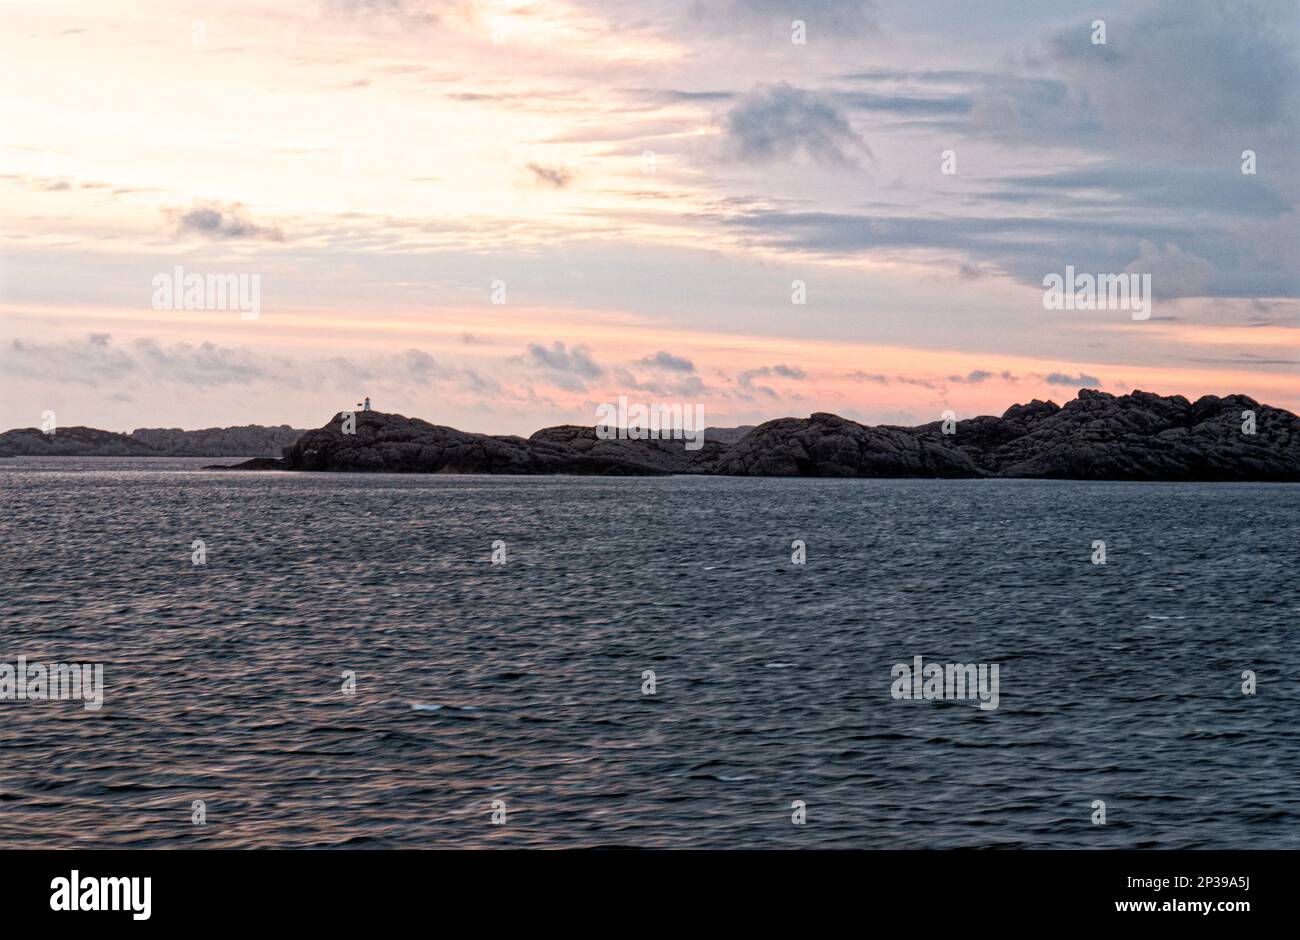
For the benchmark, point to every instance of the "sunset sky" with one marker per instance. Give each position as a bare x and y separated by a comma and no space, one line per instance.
646,179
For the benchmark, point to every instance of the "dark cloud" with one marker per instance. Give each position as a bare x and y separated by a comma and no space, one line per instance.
1246,360
750,391
1146,188
414,367
779,122
998,104
675,96
918,381
1082,380
570,369
1020,109
932,76
666,360
1199,258
96,360
876,377
746,379
556,176
665,385
561,359
906,104
973,378
223,222
1176,74
1194,82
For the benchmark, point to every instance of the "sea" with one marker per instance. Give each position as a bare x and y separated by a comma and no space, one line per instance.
299,660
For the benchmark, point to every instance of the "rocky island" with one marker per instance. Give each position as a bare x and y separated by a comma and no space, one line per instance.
251,440
1096,436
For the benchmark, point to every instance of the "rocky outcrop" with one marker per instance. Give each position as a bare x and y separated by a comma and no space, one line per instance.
1097,436
727,435
70,442
665,456
827,445
250,440
396,444
1139,436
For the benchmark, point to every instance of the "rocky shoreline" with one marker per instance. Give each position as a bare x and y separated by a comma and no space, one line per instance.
1096,436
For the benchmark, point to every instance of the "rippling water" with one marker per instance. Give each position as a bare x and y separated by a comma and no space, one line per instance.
522,682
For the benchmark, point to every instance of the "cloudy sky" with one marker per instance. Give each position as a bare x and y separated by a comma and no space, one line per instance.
643,181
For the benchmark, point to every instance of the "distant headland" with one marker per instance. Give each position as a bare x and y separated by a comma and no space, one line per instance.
1096,436
251,440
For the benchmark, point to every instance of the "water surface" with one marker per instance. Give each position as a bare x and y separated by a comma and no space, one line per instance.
522,682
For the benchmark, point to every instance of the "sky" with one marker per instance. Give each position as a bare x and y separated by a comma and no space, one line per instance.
498,215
